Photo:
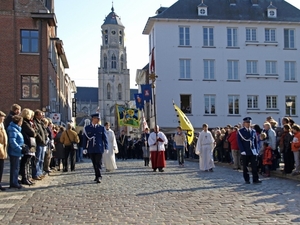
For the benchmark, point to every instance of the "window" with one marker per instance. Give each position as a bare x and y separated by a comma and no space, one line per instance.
119,92
108,91
113,61
184,36
29,41
271,67
231,37
210,104
270,35
208,36
209,69
30,87
233,70
106,39
290,111
120,37
185,103
233,105
290,71
289,38
252,101
122,62
251,67
271,102
185,68
250,34
105,61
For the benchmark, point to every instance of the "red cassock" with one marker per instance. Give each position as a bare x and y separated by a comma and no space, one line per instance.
158,159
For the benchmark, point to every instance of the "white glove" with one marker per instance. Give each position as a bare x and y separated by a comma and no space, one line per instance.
243,153
106,151
84,151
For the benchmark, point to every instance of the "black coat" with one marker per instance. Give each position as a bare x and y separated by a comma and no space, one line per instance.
59,152
41,133
27,132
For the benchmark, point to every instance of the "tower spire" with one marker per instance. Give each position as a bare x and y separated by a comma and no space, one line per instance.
112,7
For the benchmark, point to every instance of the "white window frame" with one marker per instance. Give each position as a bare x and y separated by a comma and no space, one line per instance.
235,108
209,69
270,35
290,71
208,36
289,40
233,69
252,101
271,102
209,104
184,68
271,67
184,36
251,34
232,37
252,66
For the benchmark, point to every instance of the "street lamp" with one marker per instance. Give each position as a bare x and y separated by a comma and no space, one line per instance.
289,103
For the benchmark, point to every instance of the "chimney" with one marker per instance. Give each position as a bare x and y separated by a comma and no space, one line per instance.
254,2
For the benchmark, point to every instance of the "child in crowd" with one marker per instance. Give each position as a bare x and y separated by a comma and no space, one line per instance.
267,158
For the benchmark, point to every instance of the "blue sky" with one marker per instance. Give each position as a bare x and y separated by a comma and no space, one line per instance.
79,26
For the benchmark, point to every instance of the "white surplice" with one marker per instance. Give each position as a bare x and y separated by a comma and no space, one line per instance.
109,159
205,146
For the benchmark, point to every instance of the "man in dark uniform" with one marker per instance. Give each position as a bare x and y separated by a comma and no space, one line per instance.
248,146
95,143
123,143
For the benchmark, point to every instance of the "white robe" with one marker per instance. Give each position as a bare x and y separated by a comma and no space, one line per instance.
152,141
109,159
204,148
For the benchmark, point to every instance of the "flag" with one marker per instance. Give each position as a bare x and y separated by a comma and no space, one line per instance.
139,101
146,92
152,62
185,124
144,122
128,116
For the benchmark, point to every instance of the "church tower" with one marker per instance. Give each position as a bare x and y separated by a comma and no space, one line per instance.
113,75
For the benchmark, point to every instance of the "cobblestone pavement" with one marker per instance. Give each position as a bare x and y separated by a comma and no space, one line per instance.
135,195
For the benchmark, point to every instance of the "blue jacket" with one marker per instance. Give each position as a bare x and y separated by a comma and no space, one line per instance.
15,140
247,141
95,139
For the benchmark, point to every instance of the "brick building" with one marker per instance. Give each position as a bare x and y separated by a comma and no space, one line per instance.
32,59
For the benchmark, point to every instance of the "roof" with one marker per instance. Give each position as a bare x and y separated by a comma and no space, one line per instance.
113,18
87,94
222,10
132,92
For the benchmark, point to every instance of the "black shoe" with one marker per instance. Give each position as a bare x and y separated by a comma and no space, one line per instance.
161,170
247,182
2,188
257,182
154,170
211,170
98,180
26,182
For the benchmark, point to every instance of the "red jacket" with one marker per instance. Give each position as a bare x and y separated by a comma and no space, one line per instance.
267,157
232,139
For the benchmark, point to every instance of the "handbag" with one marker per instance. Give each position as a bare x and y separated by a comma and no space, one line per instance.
32,142
73,144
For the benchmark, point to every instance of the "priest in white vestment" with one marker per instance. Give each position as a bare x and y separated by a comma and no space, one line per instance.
109,159
204,148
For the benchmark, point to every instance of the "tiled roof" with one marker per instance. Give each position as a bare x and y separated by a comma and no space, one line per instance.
112,18
87,94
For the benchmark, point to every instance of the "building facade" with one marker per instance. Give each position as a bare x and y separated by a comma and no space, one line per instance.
223,60
32,59
113,75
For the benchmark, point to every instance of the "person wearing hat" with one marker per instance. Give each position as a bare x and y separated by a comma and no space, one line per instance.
248,147
95,143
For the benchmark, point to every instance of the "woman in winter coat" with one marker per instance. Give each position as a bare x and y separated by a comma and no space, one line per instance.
59,153
285,148
3,146
15,141
29,139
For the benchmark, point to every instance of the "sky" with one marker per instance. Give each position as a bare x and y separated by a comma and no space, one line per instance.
79,27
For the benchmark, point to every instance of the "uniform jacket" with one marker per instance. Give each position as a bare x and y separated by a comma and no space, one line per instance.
247,141
3,142
123,141
15,140
144,139
67,140
95,139
232,139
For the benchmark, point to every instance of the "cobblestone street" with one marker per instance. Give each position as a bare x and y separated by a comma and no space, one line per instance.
135,195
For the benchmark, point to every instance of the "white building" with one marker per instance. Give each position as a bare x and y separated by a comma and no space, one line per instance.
224,60
114,81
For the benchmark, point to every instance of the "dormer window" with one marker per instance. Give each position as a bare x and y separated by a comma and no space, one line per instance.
272,11
202,9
